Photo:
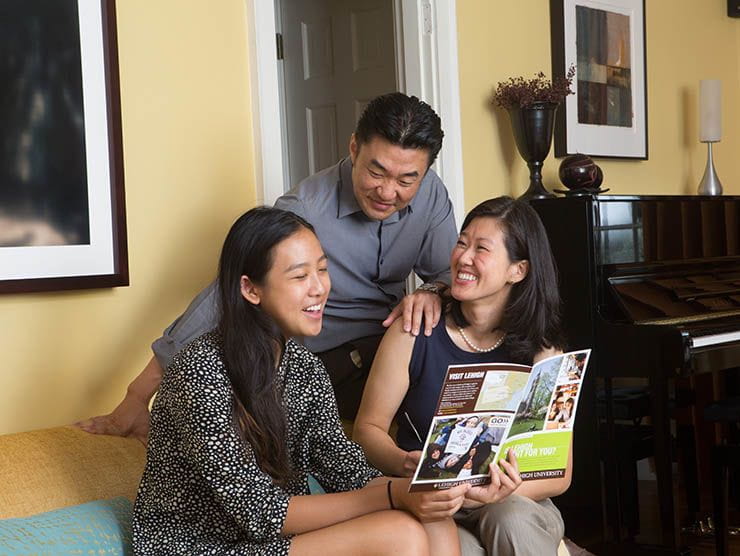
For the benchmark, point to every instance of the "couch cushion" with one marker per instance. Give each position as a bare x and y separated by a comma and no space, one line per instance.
100,527
48,469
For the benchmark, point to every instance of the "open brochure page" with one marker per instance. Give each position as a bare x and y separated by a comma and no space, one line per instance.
483,410
475,407
542,428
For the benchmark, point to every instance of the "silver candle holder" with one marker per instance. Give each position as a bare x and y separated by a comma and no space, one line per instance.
710,184
710,110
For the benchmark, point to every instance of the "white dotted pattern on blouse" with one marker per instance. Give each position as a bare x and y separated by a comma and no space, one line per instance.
202,491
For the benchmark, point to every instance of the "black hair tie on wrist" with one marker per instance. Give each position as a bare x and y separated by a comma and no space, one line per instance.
390,496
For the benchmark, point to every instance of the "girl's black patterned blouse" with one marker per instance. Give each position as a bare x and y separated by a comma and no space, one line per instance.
202,491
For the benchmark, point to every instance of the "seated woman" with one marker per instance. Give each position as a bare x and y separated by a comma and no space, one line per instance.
504,307
244,414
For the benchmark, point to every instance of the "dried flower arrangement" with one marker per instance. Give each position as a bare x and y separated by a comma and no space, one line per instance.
517,91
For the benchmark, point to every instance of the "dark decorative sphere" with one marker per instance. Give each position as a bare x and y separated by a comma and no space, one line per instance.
578,171
599,178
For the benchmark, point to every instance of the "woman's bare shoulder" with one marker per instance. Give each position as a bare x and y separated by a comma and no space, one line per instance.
544,353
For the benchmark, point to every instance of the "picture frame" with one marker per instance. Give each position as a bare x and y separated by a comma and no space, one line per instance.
605,40
62,202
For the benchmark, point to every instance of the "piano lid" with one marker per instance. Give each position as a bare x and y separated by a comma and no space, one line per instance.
669,260
633,230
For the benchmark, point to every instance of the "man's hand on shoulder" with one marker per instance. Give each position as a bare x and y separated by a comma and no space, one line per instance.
425,303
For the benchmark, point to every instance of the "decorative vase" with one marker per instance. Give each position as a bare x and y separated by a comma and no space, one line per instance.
533,127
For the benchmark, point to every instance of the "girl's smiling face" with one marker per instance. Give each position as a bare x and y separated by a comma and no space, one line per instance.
295,289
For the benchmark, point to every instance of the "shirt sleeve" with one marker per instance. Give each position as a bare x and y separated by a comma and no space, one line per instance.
201,316
290,201
337,463
433,263
201,404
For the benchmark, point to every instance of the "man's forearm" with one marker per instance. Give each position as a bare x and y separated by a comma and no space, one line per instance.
144,386
131,416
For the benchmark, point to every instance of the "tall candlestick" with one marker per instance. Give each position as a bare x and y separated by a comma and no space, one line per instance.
710,110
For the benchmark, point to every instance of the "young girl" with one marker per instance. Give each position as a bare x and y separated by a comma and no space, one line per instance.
504,308
244,414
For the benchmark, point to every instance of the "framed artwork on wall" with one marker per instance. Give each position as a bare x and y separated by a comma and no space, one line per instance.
62,209
605,40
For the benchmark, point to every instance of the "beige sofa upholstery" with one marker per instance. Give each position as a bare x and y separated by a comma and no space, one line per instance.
52,468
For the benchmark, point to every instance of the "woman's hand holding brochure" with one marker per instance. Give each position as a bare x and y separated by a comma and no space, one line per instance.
502,484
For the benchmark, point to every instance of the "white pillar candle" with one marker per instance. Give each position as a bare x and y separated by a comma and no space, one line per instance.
710,110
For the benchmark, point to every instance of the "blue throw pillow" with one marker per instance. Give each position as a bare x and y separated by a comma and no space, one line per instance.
100,527
313,486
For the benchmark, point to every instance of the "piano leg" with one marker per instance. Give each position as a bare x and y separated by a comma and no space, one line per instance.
612,468
686,440
661,421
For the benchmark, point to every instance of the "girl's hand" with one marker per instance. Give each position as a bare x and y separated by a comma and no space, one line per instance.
503,483
430,505
411,462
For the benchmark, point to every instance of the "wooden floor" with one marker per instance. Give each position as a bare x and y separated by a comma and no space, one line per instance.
700,545
703,547
697,545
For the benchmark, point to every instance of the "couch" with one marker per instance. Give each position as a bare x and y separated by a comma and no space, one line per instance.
54,469
64,491
48,469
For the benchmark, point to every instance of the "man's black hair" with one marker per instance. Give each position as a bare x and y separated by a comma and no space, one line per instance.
401,120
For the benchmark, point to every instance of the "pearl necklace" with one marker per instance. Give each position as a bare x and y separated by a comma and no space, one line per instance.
480,349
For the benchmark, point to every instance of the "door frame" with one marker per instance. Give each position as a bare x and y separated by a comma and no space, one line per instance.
427,67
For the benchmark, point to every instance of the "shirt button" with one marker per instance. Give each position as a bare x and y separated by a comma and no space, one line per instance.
381,261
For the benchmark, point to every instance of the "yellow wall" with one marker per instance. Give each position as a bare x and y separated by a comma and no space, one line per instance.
189,173
687,40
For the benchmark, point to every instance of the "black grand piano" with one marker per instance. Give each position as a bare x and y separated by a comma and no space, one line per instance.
652,284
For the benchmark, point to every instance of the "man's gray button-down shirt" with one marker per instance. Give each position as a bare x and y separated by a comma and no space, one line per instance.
369,260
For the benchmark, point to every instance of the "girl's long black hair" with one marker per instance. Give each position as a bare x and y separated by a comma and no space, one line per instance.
252,342
531,317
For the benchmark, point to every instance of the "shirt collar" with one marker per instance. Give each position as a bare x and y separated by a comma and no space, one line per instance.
348,203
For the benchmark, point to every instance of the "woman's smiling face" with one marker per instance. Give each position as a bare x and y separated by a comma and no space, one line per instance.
480,264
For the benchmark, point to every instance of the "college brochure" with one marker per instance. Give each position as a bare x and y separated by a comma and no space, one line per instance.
486,409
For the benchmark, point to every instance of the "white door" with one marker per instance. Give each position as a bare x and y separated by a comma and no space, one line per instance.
337,55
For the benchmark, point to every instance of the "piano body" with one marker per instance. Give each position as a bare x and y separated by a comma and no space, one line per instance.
652,284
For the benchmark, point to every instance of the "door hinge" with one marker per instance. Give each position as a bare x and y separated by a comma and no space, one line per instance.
279,44
426,18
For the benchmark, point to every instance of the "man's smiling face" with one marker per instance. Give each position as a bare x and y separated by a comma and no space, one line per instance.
385,177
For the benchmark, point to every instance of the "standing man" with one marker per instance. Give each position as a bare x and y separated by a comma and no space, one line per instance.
380,213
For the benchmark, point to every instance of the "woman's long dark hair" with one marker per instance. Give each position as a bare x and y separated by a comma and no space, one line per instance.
531,317
252,341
